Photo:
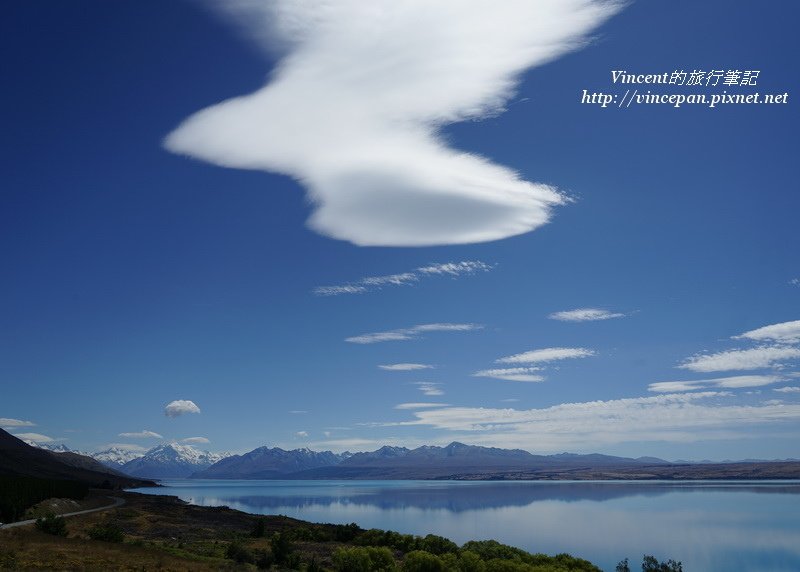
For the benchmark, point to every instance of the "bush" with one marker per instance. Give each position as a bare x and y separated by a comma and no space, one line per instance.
438,545
470,562
651,564
421,561
366,559
109,532
281,548
238,552
259,529
52,524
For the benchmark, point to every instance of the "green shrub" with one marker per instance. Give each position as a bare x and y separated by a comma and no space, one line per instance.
438,545
259,528
364,559
421,561
52,524
108,532
281,547
238,552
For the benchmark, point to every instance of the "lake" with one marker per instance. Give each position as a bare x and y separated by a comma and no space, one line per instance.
708,525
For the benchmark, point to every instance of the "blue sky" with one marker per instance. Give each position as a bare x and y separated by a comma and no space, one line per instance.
435,170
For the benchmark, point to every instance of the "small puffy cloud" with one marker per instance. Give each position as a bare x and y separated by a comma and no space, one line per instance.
180,407
354,109
512,374
547,355
196,440
405,366
419,405
787,389
733,382
7,423
584,315
144,434
410,333
35,437
301,434
428,388
754,358
786,332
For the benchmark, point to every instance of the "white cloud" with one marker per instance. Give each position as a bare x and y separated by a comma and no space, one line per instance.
795,281
677,417
410,333
419,405
405,366
144,434
512,374
452,269
429,388
301,434
787,389
354,108
195,440
584,315
786,332
7,423
547,355
35,437
125,447
298,411
733,382
180,407
754,358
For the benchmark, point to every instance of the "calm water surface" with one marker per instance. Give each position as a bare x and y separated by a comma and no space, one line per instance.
710,525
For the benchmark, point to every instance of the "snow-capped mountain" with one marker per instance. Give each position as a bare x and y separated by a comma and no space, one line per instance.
170,460
115,457
268,463
60,448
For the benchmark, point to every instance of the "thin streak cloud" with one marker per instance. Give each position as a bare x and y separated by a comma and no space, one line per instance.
584,315
370,283
410,333
545,355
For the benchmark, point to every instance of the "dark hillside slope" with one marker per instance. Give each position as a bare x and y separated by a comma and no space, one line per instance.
17,458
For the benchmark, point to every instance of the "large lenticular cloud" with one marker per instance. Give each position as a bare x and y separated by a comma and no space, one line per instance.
353,108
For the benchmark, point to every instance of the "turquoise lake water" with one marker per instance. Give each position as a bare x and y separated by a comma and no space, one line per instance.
727,526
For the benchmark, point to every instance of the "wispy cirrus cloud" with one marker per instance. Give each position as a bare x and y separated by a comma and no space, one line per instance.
180,407
733,382
419,405
787,389
785,332
512,374
429,388
196,440
411,333
144,434
354,108
546,355
370,283
673,417
8,423
35,437
731,360
405,366
584,315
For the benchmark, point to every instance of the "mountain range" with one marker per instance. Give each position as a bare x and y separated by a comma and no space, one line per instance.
454,461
